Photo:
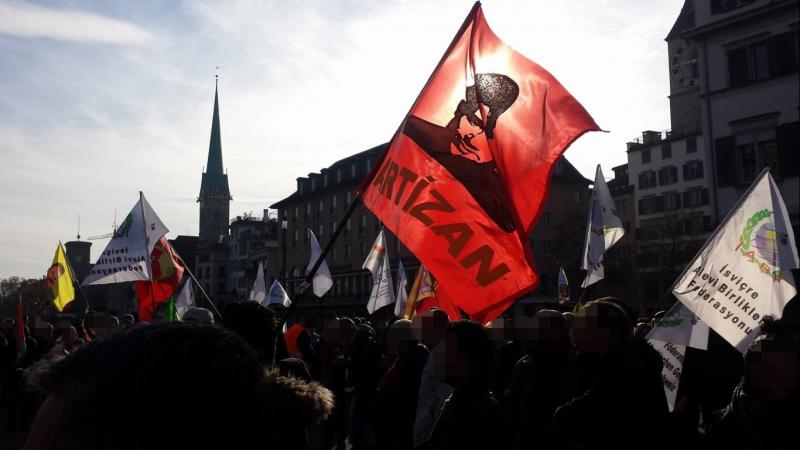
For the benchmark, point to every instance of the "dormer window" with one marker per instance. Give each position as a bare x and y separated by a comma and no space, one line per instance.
325,180
300,186
369,164
313,184
353,170
338,175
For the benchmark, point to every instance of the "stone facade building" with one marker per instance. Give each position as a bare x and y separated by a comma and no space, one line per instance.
320,203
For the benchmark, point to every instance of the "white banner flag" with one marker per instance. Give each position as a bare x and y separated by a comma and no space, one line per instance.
185,299
675,331
277,295
322,279
127,255
604,229
401,295
742,273
259,291
377,262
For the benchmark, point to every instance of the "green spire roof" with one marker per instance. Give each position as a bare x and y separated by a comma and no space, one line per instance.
214,165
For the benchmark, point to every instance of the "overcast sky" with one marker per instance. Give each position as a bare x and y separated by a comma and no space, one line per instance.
99,100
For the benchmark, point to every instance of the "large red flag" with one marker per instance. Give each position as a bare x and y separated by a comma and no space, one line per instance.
463,181
167,269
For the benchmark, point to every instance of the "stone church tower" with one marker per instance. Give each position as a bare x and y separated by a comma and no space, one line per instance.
215,196
211,255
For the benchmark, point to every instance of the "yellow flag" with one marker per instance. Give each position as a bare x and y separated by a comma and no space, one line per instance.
59,279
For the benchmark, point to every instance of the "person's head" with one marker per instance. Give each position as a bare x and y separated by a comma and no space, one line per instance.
205,384
126,320
498,331
69,335
6,325
602,328
569,317
430,327
550,334
467,354
399,338
294,368
641,329
103,324
771,363
255,323
656,318
338,332
43,332
198,315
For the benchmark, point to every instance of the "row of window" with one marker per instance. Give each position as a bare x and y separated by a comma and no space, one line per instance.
332,206
328,177
666,150
761,60
204,273
742,156
320,229
673,201
345,285
674,228
665,176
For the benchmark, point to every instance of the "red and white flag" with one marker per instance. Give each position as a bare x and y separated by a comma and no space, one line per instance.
464,179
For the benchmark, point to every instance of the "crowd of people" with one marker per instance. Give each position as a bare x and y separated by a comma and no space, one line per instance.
548,380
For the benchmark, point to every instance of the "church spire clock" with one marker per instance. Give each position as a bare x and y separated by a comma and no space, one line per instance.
215,196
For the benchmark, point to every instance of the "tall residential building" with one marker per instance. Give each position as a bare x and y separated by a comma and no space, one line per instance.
211,253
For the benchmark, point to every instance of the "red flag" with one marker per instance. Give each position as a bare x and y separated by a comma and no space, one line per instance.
430,294
167,269
463,180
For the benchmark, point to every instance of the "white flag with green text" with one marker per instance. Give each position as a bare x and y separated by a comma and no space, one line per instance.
742,273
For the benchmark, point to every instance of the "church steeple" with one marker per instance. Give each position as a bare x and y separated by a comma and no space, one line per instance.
214,165
215,196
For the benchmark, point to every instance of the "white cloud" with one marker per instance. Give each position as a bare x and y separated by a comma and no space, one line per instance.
32,21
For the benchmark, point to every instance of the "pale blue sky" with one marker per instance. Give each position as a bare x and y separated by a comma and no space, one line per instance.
99,100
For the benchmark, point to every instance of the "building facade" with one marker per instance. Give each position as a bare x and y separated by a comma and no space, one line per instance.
254,240
734,97
322,199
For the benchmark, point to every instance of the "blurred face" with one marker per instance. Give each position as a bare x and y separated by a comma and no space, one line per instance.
590,338
454,363
772,374
426,329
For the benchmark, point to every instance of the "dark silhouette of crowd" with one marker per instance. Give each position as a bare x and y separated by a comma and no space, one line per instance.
548,379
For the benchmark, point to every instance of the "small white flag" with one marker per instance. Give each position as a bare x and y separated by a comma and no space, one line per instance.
603,230
678,329
377,262
185,299
127,256
401,296
259,291
277,295
322,279
742,273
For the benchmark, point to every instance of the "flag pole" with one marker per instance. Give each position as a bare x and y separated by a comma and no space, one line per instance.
199,286
711,237
197,283
75,281
412,296
149,256
365,182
